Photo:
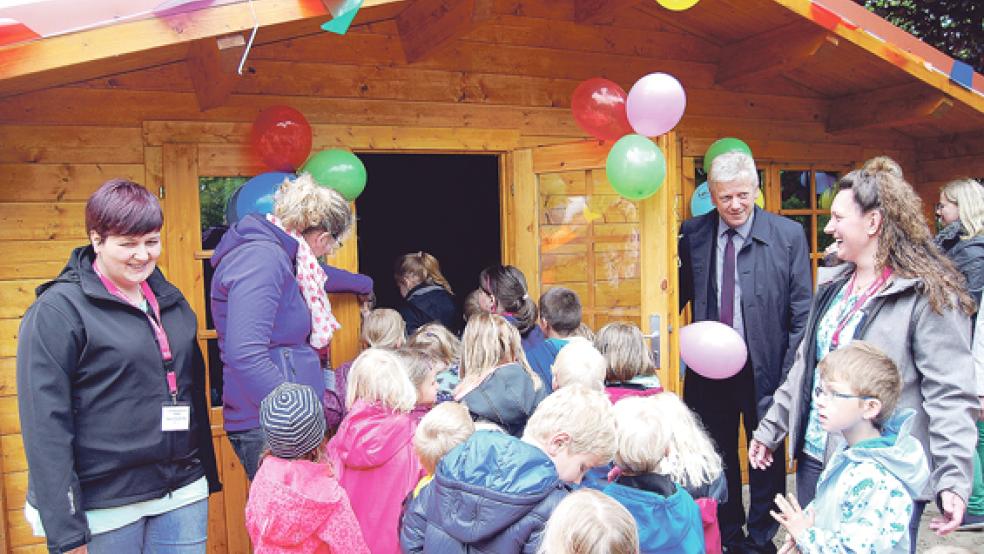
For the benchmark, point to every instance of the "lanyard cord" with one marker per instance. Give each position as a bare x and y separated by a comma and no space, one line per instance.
885,274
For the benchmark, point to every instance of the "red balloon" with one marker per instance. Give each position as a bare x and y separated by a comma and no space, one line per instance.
281,136
599,108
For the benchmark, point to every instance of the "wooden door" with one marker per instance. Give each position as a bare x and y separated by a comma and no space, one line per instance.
571,229
185,176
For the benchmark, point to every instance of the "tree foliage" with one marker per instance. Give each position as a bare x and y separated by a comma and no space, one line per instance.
955,27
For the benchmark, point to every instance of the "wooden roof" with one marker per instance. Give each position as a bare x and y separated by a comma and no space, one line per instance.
873,74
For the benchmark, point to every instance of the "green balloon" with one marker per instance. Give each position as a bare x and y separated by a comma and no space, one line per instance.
339,170
721,146
636,167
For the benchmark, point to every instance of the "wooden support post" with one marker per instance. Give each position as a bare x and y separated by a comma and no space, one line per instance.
899,105
599,11
427,25
212,65
773,52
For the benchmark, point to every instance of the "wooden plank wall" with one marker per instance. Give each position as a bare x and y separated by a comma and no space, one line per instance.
507,84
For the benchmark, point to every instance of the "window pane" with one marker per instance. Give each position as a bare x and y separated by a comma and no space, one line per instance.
795,188
213,195
214,371
803,220
823,239
826,189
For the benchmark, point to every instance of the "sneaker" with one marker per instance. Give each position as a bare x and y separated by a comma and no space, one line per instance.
971,522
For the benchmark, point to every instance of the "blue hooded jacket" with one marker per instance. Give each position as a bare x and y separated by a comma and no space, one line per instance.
261,318
494,493
666,523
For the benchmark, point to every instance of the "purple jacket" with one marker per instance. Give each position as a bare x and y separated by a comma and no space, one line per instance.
261,319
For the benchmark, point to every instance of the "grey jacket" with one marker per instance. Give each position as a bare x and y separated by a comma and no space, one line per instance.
933,353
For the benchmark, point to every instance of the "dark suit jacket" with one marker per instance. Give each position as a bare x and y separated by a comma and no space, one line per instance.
776,290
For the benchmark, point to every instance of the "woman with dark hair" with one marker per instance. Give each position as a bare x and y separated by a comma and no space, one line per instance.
111,393
504,292
897,291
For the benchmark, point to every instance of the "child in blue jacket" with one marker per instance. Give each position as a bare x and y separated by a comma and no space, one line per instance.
495,492
668,518
865,494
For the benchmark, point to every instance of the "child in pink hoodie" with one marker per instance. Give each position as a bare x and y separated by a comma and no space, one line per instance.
295,504
373,448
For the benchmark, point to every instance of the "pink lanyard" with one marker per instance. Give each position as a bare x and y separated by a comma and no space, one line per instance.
159,333
885,274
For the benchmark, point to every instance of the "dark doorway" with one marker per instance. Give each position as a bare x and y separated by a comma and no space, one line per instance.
444,204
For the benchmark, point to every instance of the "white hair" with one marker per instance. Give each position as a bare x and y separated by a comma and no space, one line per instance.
691,459
732,166
580,362
589,522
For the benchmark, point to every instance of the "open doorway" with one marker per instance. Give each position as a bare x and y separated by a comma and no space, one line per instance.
444,204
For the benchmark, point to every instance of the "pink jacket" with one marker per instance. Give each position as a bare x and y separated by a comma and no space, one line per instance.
378,467
296,506
617,393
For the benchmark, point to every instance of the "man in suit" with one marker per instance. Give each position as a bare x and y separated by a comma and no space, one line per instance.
748,269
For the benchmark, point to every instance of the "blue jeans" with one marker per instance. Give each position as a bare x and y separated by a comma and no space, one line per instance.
808,471
180,531
249,445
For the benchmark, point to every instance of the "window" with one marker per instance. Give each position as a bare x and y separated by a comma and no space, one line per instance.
805,196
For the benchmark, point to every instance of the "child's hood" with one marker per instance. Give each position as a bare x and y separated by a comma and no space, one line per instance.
897,451
666,523
370,435
489,483
293,499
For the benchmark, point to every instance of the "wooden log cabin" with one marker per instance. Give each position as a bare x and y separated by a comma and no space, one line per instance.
814,90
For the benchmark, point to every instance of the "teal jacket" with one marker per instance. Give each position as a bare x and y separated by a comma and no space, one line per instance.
865,494
666,523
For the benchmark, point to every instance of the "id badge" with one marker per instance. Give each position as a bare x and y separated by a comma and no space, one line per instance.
175,416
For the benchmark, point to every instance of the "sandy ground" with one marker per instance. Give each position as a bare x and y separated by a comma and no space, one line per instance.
973,541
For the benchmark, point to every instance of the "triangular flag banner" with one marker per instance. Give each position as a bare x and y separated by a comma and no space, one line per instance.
341,21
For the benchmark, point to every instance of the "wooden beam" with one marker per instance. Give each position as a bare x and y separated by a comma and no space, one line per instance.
887,107
427,25
103,51
773,52
213,65
599,11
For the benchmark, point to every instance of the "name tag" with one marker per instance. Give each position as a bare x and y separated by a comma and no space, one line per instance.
175,417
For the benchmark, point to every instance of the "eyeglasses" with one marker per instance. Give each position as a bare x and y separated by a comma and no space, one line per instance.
820,392
939,206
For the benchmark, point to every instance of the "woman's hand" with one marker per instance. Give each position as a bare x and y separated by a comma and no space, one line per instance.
84,549
953,508
796,520
759,457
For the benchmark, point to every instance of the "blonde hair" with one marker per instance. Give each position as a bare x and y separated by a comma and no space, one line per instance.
418,363
421,266
691,460
584,331
968,195
436,340
384,328
579,362
590,522
624,347
488,342
302,205
868,371
378,376
472,306
444,427
643,439
584,414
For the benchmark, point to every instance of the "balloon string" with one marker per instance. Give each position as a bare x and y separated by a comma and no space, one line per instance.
249,44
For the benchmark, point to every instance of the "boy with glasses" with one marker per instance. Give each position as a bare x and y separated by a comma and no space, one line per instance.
865,495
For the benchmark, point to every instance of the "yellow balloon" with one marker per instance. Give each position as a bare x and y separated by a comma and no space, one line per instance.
760,200
678,5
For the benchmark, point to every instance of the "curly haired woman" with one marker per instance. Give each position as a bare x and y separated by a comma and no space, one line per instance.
900,293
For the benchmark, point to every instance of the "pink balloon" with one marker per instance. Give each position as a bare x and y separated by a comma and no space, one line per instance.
712,349
655,104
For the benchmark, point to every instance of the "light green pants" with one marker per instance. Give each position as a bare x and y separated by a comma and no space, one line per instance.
976,503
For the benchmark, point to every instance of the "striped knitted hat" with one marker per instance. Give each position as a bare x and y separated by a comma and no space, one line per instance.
292,420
